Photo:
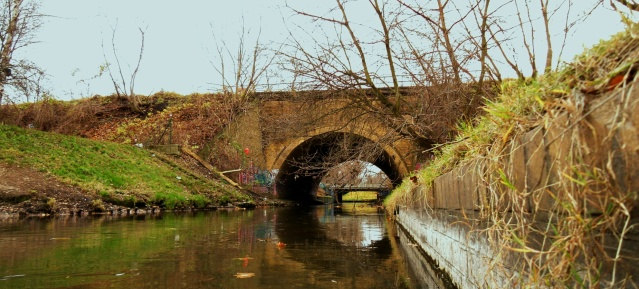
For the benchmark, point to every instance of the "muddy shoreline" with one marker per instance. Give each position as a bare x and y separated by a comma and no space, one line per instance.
29,209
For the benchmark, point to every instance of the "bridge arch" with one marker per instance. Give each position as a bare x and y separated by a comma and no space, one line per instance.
300,170
277,153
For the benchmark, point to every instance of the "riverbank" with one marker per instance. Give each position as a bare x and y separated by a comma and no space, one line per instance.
49,173
196,121
542,190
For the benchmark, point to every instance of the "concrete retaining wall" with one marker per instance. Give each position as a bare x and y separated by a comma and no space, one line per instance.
536,163
470,261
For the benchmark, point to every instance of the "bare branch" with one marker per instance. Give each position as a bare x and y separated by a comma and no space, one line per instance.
137,66
546,19
123,89
632,5
389,54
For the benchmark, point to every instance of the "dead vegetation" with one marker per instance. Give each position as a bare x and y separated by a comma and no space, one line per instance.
577,227
195,120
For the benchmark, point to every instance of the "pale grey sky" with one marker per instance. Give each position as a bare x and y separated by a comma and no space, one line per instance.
179,39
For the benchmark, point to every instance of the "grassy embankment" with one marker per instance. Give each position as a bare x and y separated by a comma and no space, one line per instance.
573,253
360,196
198,121
116,173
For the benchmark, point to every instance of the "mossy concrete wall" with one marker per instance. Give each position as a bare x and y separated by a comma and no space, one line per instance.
536,162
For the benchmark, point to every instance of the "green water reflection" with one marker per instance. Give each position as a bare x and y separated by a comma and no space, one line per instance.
320,247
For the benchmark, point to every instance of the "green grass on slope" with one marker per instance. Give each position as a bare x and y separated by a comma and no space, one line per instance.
117,172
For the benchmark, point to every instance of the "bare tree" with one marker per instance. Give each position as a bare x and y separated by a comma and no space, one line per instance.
124,85
332,66
440,43
18,22
364,60
420,66
247,65
349,173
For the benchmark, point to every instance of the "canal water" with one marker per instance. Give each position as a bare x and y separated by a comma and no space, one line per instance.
318,247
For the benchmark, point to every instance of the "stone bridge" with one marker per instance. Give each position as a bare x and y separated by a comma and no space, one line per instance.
296,135
445,221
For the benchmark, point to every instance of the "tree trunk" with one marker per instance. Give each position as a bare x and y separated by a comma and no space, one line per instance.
8,45
2,80
134,102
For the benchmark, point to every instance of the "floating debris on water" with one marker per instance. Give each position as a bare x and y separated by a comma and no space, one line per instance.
244,275
12,276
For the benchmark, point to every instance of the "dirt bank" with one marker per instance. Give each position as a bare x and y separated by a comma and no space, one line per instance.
25,191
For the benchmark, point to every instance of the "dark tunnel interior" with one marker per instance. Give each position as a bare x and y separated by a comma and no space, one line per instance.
304,168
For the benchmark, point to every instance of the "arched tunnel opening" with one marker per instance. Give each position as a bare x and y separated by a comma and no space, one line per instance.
299,176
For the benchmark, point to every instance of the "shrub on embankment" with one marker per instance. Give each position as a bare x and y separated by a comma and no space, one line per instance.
581,238
116,173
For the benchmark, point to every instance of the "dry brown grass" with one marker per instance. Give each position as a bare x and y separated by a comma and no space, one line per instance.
572,232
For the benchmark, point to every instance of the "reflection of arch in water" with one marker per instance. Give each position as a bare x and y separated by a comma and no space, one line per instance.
292,184
329,253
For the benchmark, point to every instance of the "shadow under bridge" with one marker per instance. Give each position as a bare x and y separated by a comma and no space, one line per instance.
299,176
